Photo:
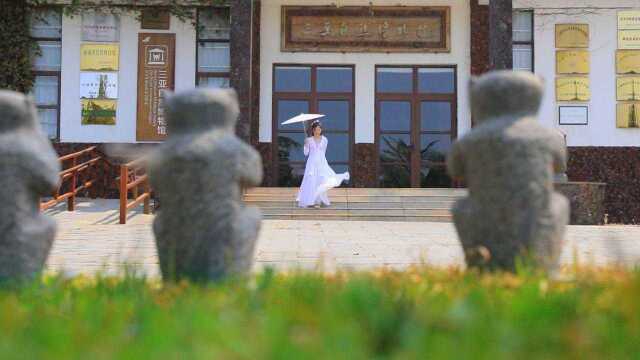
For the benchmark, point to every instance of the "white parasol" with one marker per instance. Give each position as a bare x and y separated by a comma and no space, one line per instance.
303,118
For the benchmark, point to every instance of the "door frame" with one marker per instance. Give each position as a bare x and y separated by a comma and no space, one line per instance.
415,98
313,97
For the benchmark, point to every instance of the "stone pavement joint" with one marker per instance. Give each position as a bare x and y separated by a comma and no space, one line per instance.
91,240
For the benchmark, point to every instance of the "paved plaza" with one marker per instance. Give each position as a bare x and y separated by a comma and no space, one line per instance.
91,240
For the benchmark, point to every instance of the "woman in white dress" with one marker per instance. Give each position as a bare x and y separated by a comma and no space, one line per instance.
318,175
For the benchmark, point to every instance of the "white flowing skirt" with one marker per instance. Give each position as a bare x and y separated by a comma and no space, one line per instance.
318,179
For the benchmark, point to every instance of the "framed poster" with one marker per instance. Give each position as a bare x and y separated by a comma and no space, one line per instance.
156,66
628,115
572,36
573,115
153,18
629,39
629,20
100,27
365,29
573,88
572,62
628,62
628,88
98,85
99,57
98,112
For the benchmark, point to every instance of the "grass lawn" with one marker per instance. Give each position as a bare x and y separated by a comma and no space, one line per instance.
415,314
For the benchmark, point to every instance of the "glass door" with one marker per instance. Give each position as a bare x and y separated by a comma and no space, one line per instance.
415,125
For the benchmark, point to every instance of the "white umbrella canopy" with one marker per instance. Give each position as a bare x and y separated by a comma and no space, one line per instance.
302,118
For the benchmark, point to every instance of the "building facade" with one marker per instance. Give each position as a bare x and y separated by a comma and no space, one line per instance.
391,79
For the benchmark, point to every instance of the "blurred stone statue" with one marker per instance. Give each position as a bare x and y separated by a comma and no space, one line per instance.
508,162
203,231
29,169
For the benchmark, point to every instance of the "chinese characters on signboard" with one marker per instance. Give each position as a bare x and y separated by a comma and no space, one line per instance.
156,63
99,57
365,29
99,85
100,27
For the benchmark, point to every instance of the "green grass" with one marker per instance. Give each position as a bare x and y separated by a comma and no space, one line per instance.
415,314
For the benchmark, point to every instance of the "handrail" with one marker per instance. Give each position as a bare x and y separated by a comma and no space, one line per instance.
132,176
73,172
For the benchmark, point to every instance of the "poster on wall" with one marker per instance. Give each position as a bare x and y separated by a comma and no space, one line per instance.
628,62
628,115
628,88
99,57
575,88
573,115
629,39
98,85
629,20
572,35
156,66
98,112
572,62
100,27
152,18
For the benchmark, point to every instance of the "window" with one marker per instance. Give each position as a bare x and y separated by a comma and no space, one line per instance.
46,29
214,60
415,124
523,40
323,89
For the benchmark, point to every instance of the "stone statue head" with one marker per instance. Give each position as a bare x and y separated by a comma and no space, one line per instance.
502,93
201,109
18,111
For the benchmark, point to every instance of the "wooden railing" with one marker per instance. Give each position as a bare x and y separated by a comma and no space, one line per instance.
132,177
74,171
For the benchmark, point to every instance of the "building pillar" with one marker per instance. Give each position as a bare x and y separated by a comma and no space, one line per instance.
500,34
479,37
241,55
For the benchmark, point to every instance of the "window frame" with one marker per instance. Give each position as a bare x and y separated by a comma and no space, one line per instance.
415,99
211,74
51,73
530,43
313,97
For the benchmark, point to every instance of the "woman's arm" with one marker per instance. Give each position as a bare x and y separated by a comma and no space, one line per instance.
306,147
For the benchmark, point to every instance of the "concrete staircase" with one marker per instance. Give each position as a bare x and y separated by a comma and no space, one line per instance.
359,204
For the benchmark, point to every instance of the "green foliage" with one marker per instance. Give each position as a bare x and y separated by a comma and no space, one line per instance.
16,47
416,314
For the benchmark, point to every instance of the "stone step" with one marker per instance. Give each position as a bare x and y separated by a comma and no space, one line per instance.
433,204
365,191
356,198
357,218
322,212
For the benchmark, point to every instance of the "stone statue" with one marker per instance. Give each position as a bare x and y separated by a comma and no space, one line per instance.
203,231
508,162
29,169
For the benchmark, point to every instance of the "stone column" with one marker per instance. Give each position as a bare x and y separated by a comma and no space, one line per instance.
500,36
241,52
479,37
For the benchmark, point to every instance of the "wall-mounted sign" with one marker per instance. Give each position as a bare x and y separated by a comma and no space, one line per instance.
573,115
572,62
574,88
98,112
628,88
99,57
98,85
628,62
628,115
629,20
629,39
365,29
100,27
156,65
153,18
572,35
